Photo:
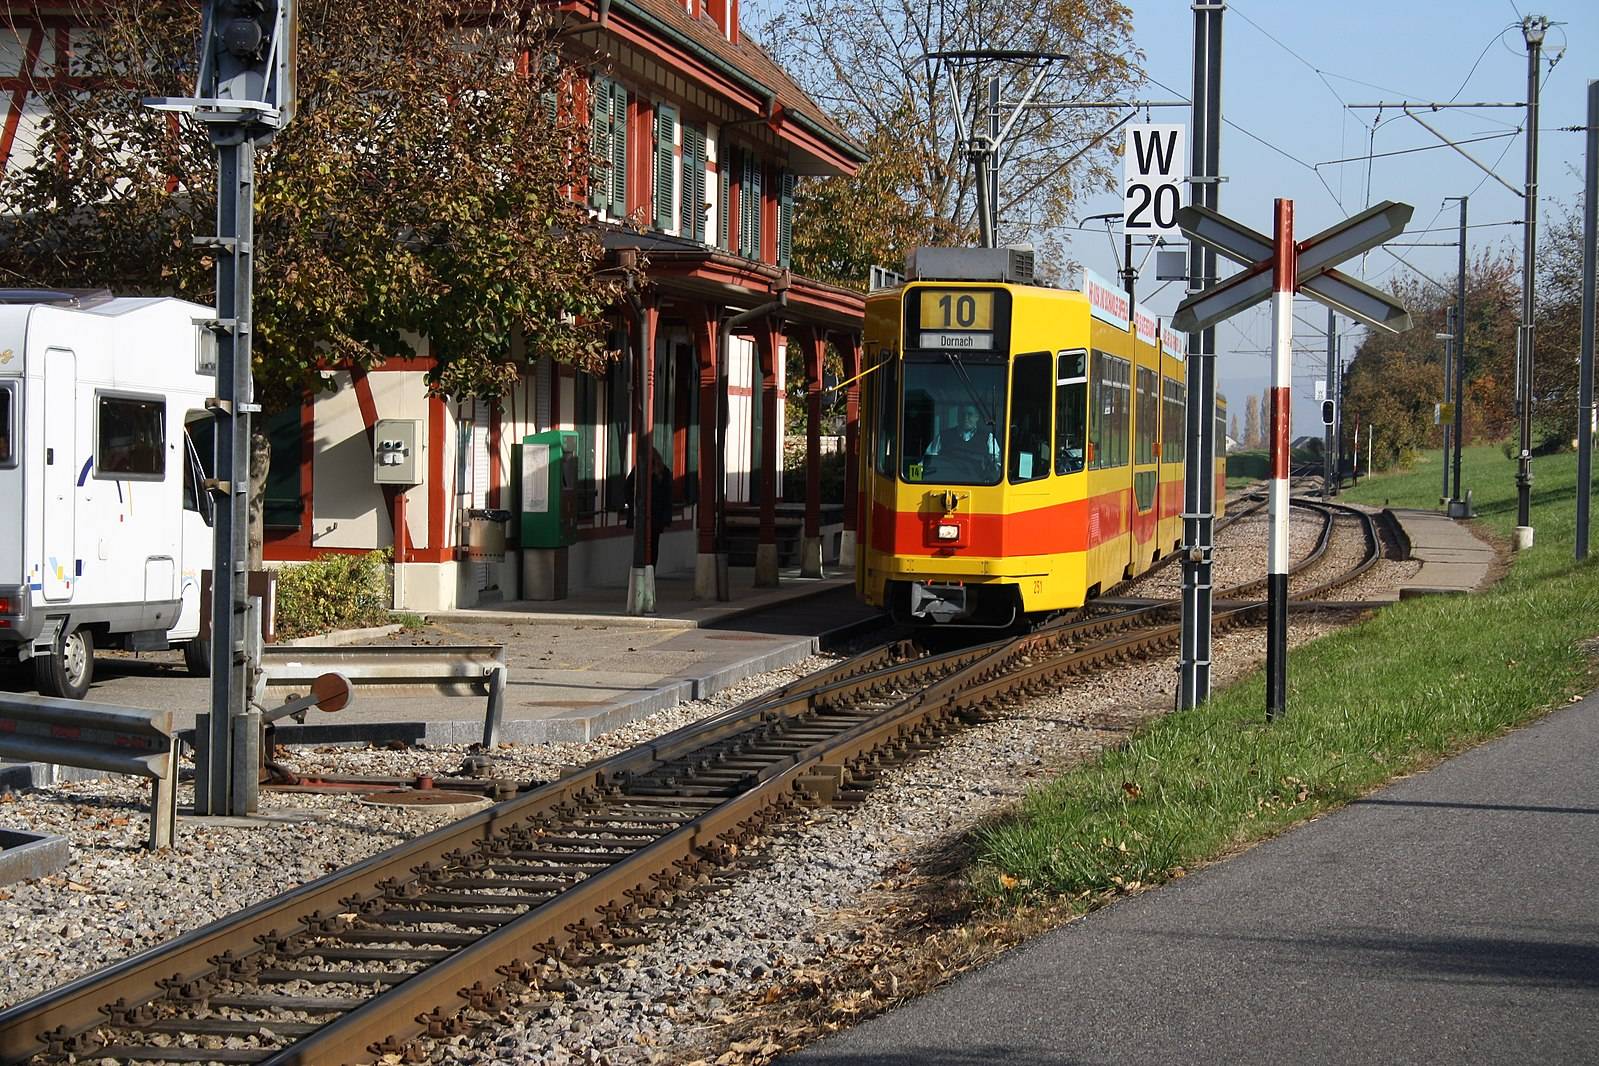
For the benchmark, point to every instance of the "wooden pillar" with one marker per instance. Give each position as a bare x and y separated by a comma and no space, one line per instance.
815,342
766,549
712,459
849,347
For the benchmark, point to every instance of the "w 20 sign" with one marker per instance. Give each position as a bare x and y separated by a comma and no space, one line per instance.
1152,180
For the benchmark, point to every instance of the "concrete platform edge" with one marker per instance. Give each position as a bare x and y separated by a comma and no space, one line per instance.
712,617
29,856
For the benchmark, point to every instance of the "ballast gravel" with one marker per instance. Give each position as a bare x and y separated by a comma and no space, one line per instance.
803,906
115,899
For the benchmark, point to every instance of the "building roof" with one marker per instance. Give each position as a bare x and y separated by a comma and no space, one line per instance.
751,61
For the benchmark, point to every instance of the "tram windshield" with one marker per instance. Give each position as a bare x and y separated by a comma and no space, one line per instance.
954,410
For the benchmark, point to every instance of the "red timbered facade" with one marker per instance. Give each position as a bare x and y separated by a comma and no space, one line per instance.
699,139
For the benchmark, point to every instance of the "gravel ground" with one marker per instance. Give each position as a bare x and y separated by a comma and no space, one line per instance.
807,905
1239,555
115,899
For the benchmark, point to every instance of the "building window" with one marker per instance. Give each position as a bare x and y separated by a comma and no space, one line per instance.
665,167
608,147
724,168
618,423
785,219
585,419
282,505
692,218
749,207
130,438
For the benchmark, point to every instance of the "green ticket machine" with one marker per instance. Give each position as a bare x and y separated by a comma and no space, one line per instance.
548,511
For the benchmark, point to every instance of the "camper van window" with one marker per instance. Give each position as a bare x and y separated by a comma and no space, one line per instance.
130,438
8,447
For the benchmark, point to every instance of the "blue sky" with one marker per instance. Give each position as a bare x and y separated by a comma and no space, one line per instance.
1290,93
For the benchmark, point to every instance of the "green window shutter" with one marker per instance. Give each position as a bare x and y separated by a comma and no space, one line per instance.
618,149
693,190
748,200
665,170
724,170
600,143
785,219
756,207
547,102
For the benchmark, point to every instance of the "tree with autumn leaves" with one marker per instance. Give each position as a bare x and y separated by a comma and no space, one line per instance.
865,63
422,190
1395,380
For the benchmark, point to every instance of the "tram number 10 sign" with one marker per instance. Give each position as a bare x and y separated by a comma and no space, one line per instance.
1152,179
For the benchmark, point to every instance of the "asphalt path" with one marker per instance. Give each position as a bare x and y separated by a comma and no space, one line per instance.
1450,918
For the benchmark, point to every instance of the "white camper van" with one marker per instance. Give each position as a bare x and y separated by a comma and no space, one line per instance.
106,522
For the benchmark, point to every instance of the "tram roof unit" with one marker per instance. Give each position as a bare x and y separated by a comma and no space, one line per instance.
1011,266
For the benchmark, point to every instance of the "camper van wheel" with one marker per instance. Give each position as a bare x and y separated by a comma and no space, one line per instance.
197,657
69,667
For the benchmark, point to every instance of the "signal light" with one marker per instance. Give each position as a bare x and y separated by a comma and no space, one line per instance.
243,37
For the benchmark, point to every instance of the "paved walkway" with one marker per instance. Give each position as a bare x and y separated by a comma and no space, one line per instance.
573,674
1450,918
1453,559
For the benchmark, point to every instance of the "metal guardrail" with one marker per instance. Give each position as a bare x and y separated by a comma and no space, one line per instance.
452,669
98,736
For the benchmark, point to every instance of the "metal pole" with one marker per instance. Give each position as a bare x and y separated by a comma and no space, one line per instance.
1456,504
1129,275
1199,481
1444,423
1590,262
1328,487
993,163
1338,412
1532,29
1284,271
230,665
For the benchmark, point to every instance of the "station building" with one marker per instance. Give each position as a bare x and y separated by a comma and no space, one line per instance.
705,137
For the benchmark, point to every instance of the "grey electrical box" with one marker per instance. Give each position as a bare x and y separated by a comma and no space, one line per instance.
1171,264
395,456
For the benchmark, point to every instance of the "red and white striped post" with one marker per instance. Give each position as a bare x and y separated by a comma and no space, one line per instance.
1285,268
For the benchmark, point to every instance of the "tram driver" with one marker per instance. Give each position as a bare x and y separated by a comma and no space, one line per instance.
967,450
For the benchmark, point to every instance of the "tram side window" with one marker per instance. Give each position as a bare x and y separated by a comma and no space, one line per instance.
1071,387
1148,406
1099,414
1112,404
1029,417
1173,431
887,422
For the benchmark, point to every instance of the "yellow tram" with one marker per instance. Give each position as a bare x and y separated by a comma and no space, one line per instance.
1022,446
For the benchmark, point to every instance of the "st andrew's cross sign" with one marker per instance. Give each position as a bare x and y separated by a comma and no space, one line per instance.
1278,268
1315,277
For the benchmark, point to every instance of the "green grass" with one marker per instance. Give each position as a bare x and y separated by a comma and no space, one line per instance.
1418,681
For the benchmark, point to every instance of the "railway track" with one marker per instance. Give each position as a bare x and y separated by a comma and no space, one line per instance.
426,939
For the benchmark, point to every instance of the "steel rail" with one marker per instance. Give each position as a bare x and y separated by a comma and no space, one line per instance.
730,773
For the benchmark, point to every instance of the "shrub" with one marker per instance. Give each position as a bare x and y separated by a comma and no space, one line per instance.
333,592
